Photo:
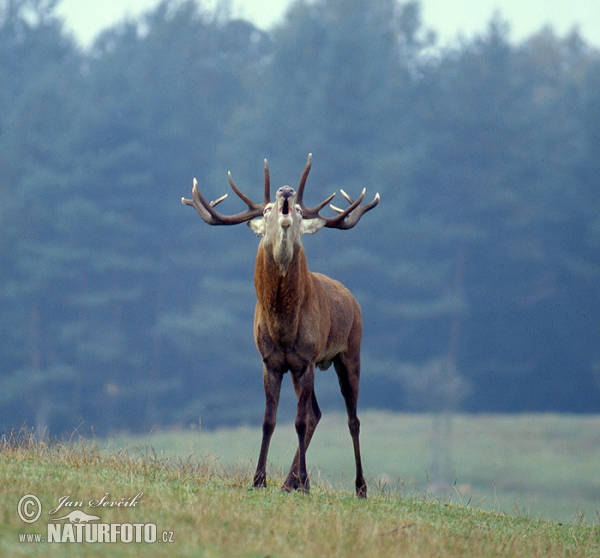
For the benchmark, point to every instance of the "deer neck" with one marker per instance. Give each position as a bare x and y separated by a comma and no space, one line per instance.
281,291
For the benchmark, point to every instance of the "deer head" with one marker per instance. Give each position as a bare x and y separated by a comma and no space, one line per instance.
282,225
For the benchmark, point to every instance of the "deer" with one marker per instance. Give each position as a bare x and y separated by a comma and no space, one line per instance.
302,320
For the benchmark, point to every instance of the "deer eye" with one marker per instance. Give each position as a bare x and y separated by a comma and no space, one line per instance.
299,209
267,209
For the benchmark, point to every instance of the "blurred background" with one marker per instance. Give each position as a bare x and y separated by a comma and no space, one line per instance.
477,273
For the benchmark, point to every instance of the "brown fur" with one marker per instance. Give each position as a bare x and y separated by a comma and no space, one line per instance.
303,320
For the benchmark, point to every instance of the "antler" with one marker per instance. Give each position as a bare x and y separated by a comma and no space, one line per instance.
207,211
346,218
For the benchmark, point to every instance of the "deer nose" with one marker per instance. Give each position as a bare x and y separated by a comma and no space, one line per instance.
286,192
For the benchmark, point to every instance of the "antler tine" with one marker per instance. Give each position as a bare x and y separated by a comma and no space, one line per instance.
241,195
219,200
213,217
350,200
300,195
309,212
267,197
353,205
347,218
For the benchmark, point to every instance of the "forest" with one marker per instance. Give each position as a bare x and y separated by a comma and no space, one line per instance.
477,272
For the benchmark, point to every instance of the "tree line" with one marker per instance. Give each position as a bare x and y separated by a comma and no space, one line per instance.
477,273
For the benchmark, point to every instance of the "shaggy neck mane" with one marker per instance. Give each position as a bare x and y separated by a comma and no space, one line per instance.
282,293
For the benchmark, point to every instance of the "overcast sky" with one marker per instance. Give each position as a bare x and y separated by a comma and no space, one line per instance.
449,18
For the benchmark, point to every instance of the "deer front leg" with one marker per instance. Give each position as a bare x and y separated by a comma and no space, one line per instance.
313,418
306,421
272,383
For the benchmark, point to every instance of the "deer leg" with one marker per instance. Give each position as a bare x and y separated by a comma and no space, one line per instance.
305,427
349,375
313,418
272,383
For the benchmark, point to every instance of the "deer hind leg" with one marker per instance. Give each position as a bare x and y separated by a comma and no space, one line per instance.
348,371
307,418
272,383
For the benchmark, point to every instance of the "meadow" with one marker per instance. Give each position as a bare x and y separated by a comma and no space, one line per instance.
542,466
194,487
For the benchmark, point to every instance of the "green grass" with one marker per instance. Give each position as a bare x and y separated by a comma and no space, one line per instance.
541,466
212,512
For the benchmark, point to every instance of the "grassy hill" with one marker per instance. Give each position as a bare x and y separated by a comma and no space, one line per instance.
540,466
205,507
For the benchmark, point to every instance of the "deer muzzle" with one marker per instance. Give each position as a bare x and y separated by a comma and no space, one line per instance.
285,201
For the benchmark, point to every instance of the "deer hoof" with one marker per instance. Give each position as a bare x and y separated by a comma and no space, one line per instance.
260,481
294,483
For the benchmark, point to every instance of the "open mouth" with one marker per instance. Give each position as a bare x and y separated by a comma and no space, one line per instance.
285,208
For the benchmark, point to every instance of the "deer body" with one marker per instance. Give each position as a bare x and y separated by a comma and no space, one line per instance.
303,320
295,311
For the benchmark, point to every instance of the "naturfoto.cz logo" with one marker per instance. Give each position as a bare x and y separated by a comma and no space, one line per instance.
77,526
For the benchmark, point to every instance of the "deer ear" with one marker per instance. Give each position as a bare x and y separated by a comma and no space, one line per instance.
257,226
311,226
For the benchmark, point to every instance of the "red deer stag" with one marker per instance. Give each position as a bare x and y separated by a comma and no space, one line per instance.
302,319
